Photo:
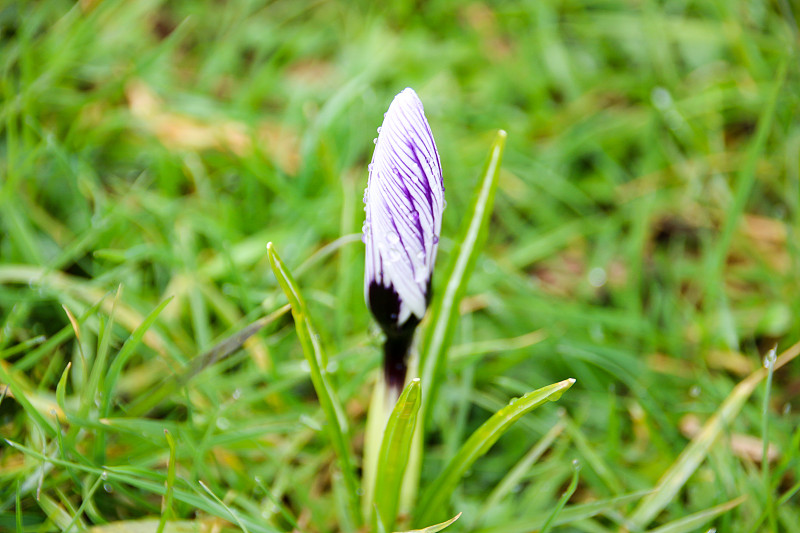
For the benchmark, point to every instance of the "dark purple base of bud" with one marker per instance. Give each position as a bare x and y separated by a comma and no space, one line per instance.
395,361
385,306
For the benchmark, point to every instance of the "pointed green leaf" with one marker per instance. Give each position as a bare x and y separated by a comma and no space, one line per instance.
562,501
434,528
127,351
317,361
438,493
697,520
395,449
438,335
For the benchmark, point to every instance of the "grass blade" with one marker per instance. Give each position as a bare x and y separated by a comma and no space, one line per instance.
694,521
127,351
479,442
434,528
217,353
695,452
317,361
569,514
395,449
166,504
562,501
515,475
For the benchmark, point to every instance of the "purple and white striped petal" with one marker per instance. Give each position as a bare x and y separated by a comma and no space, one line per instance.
404,203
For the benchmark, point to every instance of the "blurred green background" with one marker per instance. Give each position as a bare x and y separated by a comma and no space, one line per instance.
643,241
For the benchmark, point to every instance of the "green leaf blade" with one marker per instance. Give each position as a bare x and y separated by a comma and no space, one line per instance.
444,313
337,425
394,453
478,444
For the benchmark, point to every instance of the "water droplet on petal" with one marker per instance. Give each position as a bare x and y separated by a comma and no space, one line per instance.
420,255
414,215
379,129
394,255
392,238
375,140
435,239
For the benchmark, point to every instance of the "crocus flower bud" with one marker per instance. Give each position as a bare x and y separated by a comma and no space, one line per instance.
404,203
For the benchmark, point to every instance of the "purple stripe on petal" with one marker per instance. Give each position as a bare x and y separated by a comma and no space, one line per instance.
404,200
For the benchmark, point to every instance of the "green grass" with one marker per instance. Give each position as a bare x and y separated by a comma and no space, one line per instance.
643,240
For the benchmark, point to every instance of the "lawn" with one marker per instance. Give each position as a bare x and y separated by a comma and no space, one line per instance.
159,373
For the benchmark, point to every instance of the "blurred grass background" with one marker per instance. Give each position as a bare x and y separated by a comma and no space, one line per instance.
644,241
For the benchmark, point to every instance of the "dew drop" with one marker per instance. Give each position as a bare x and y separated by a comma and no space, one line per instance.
394,255
420,255
694,392
223,423
576,464
435,239
512,401
392,238
369,167
770,358
375,140
310,422
661,98
104,476
597,277
379,129
108,488
237,393
787,408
